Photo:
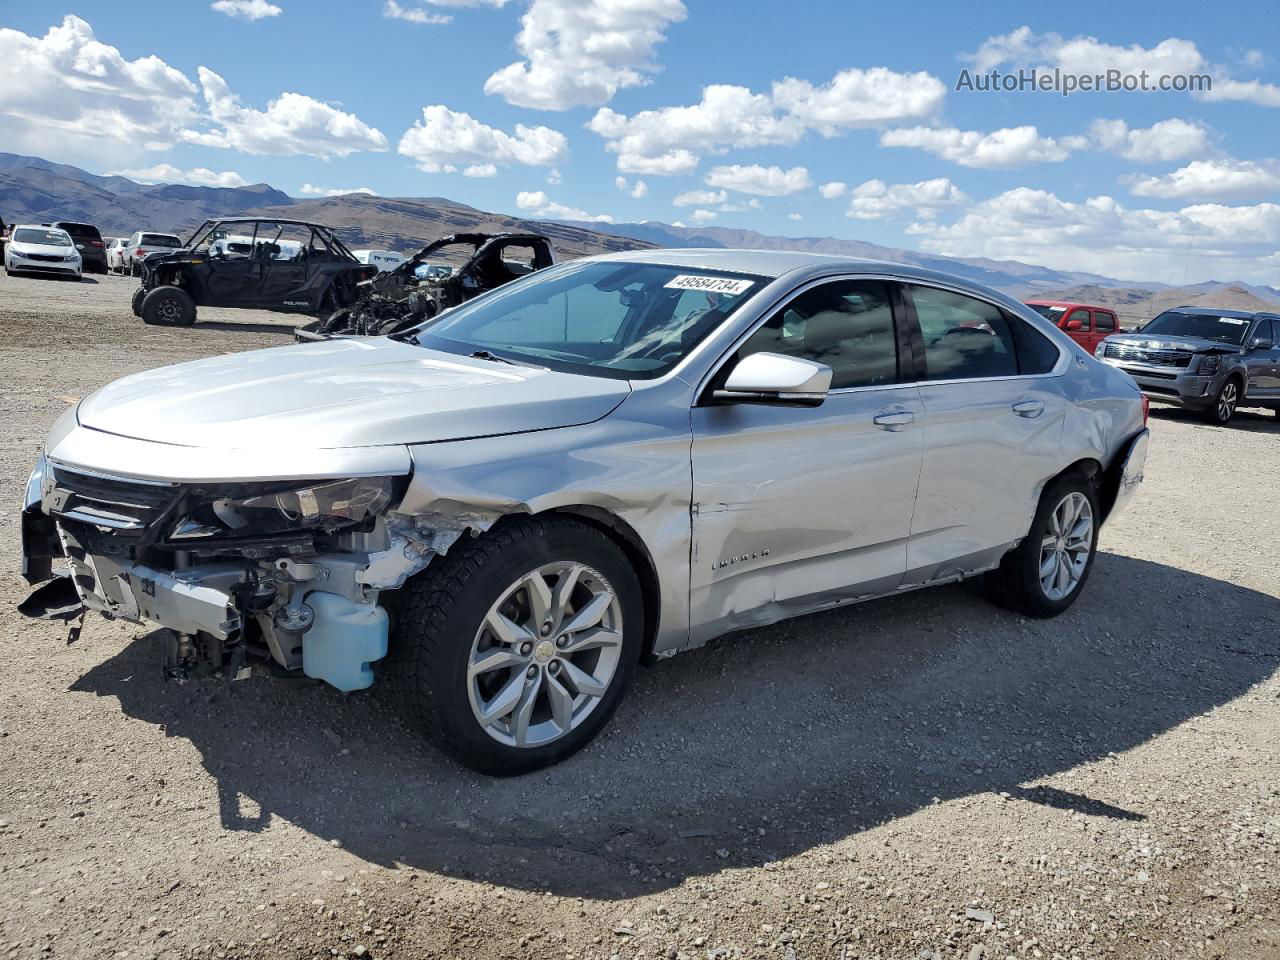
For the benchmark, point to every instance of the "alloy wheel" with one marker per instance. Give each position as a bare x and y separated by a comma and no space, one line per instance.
1227,401
1067,544
545,654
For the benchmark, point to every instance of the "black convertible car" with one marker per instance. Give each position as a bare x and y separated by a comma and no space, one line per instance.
258,264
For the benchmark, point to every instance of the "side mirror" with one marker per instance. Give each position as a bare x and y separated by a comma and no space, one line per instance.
1262,343
1076,325
774,378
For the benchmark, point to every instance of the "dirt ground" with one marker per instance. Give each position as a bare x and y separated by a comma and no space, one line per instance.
926,777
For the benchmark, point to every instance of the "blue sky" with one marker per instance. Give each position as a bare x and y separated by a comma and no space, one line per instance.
807,119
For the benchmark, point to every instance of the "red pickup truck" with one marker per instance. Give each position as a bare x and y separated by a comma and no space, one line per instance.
1084,323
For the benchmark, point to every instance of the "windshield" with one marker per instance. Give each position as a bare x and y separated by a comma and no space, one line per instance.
52,238
1204,326
603,318
1051,313
159,240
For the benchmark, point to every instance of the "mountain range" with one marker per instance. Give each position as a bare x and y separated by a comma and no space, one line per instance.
37,190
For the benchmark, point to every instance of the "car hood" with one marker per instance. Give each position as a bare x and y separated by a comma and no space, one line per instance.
20,246
343,393
1157,341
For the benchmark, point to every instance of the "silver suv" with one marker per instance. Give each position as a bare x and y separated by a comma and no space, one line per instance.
1210,361
505,509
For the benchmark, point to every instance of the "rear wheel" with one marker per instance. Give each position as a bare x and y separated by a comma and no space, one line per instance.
513,651
1045,574
1225,403
168,307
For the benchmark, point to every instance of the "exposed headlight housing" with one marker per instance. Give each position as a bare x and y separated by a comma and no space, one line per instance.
268,509
1101,349
1209,363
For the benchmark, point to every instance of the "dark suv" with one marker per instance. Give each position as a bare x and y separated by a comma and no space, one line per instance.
1207,360
93,252
290,266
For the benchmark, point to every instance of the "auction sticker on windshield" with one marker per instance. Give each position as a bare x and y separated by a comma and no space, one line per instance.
686,281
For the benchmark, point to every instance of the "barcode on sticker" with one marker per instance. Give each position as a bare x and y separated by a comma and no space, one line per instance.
726,285
1236,321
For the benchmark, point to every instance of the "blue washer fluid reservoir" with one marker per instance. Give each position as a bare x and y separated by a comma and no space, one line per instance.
344,639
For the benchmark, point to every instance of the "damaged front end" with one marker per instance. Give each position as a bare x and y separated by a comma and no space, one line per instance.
288,572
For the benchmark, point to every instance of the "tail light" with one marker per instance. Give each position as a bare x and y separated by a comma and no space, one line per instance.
139,253
95,243
1146,409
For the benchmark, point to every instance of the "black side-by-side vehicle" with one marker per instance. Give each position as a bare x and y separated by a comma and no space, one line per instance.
254,263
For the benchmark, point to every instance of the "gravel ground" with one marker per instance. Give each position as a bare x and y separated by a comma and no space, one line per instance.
926,777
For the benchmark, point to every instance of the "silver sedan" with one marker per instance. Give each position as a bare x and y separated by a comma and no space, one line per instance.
611,461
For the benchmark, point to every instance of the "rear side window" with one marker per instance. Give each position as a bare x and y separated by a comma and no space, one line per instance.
1104,322
964,338
1036,352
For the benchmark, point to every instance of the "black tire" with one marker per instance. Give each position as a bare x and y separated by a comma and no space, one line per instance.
1016,584
135,270
1225,402
438,615
337,322
168,307
136,302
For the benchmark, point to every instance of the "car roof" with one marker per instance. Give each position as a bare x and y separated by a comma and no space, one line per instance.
37,226
777,263
1214,312
1070,304
293,223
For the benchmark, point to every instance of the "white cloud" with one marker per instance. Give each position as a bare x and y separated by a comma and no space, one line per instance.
795,216
1005,148
759,180
860,98
394,11
445,139
311,190
699,198
1211,179
1083,54
834,189
1198,242
292,125
1248,91
703,216
481,170
876,200
68,90
1162,142
1088,55
671,140
553,177
540,205
635,191
198,176
247,9
579,53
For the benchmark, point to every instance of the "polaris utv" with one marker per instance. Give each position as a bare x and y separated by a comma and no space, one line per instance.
422,287
289,266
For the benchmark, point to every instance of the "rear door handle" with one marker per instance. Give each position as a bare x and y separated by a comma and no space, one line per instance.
1029,408
893,418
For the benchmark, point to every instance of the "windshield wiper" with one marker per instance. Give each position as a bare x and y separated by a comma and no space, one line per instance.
487,355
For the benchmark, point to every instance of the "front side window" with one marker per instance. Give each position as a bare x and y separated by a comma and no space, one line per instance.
602,318
1266,330
846,324
964,338
1077,321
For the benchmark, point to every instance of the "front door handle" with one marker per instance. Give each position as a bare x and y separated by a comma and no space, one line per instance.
1029,408
893,418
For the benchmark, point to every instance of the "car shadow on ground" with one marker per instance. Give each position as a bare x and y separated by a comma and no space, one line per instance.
248,326
753,749
1254,419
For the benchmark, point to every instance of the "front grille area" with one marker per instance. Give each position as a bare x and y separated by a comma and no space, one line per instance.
1160,358
130,508
1149,374
45,257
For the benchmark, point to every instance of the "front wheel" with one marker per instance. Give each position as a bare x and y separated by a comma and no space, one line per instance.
1225,403
1045,574
168,307
513,651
